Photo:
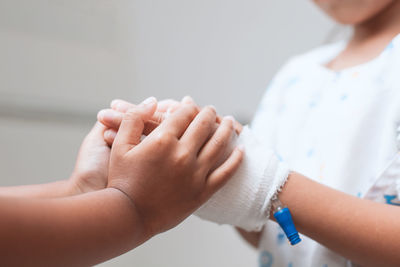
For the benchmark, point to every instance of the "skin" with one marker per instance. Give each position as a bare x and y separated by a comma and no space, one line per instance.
368,236
353,12
90,228
374,23
363,231
91,167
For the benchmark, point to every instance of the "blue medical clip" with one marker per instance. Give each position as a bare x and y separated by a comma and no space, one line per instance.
284,218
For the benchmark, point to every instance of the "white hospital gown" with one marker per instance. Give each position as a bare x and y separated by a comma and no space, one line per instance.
338,128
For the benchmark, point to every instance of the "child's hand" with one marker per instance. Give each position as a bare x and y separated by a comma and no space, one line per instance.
167,175
112,118
91,168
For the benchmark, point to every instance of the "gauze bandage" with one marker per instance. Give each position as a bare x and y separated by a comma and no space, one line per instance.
245,201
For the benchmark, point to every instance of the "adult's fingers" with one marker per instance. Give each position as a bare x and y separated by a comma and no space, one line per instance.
219,177
177,123
165,104
217,146
123,106
112,119
132,125
238,127
200,129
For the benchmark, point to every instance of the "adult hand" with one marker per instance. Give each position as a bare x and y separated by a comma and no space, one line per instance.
169,174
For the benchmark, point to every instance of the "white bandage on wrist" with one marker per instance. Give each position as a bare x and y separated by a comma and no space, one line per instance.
245,200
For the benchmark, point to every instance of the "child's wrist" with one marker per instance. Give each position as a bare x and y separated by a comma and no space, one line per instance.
84,182
129,203
73,185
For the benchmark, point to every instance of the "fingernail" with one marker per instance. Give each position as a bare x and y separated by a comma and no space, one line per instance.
212,107
187,100
231,118
149,101
114,103
101,114
240,147
109,134
168,113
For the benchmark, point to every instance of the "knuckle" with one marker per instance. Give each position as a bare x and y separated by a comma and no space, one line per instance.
100,114
183,156
191,109
205,123
210,113
219,141
211,110
225,172
163,139
228,124
132,115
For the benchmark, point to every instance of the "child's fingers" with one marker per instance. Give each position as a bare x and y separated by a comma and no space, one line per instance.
174,107
109,136
132,125
158,117
149,127
216,147
95,136
123,106
189,100
200,129
170,106
238,127
164,105
219,177
110,118
177,122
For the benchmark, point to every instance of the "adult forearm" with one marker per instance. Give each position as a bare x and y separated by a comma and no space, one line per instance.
362,231
62,188
75,231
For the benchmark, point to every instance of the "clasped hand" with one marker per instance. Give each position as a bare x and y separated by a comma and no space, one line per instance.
168,174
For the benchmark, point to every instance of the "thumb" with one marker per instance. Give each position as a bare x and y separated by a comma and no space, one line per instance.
133,122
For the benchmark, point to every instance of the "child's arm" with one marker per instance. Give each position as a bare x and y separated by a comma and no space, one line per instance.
360,230
363,231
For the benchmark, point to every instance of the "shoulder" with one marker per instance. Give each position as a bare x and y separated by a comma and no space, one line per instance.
390,65
301,65
318,55
392,54
313,57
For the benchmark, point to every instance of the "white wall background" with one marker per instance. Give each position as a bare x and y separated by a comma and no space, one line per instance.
62,60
